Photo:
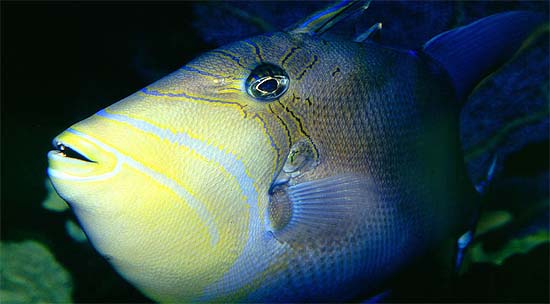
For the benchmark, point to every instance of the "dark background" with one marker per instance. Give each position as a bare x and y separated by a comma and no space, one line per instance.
62,62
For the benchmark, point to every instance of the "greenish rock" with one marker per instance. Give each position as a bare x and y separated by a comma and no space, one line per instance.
502,234
29,273
53,201
513,247
492,220
75,232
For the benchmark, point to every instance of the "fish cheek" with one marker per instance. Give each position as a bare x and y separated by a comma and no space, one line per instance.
160,243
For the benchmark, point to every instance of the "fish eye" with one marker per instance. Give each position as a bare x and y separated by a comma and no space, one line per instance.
267,82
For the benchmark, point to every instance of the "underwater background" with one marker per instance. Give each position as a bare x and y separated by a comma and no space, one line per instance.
63,61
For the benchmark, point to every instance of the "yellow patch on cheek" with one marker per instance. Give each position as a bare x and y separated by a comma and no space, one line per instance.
190,194
158,241
180,214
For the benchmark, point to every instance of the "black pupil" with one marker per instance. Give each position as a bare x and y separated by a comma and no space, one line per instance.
267,82
269,85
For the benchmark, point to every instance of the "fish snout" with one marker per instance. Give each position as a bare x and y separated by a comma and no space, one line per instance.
77,156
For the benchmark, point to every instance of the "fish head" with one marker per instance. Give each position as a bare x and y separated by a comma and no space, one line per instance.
171,183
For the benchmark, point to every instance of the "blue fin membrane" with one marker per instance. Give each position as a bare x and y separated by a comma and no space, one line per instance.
469,53
325,207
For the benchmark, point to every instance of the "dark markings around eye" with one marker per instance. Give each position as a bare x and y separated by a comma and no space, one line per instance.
152,92
257,49
284,125
245,113
309,66
292,51
230,89
337,71
200,72
296,99
273,144
300,126
230,56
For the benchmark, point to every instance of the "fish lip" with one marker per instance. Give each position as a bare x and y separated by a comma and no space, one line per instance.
77,156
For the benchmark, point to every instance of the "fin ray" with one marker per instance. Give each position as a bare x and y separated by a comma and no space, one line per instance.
325,208
323,20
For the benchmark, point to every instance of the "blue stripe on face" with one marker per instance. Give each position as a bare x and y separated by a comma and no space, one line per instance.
247,266
194,203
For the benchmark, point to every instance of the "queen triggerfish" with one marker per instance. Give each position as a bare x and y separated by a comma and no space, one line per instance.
290,166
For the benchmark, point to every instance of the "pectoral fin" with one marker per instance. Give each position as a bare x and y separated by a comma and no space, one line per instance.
324,208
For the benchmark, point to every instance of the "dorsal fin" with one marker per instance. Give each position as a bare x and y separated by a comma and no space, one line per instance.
321,21
369,33
469,53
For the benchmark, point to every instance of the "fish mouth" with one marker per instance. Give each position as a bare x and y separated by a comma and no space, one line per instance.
64,150
78,156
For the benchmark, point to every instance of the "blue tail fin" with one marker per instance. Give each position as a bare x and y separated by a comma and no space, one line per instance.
471,52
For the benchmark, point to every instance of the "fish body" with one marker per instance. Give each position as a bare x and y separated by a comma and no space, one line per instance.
284,167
